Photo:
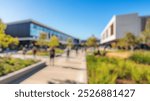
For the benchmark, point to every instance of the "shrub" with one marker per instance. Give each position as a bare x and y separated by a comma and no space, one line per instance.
141,57
110,70
8,65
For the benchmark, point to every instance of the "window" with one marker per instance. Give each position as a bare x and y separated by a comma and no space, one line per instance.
35,31
34,26
104,36
112,29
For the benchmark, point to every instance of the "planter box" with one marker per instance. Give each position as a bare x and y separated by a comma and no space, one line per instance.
20,73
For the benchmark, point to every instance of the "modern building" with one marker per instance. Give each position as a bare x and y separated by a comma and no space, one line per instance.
121,24
28,31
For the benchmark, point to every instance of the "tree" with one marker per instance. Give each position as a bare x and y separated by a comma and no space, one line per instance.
128,41
69,42
42,41
145,35
6,40
92,42
2,27
2,34
147,27
54,41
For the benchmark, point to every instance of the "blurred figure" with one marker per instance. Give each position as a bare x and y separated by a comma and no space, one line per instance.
98,52
52,56
34,52
68,52
24,51
1,49
82,48
76,50
7,51
85,49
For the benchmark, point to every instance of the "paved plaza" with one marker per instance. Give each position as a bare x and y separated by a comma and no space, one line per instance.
65,71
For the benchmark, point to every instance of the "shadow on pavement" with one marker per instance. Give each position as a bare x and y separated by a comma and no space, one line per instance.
55,81
69,57
22,78
69,67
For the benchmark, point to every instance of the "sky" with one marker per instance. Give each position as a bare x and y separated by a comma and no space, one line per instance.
79,18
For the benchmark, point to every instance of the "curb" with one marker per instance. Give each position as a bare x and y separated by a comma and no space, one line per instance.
20,73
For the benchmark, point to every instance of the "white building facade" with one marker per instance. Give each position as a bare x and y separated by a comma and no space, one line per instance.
121,24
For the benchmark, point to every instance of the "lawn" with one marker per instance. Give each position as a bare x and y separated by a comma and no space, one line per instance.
8,65
113,70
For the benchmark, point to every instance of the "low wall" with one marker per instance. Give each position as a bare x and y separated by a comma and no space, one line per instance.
20,73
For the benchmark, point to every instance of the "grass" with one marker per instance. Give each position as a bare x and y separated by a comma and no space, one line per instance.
8,65
46,53
141,57
112,70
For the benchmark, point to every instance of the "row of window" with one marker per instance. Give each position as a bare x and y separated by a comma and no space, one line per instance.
36,30
109,32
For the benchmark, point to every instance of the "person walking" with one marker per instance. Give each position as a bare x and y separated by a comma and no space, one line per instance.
85,49
52,56
34,52
76,50
68,52
24,51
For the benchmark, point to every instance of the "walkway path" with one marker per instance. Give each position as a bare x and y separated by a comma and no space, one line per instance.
72,70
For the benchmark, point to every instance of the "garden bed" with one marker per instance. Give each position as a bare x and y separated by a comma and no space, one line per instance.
113,70
8,65
13,68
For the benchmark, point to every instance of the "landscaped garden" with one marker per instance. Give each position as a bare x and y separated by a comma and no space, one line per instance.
8,65
134,68
125,61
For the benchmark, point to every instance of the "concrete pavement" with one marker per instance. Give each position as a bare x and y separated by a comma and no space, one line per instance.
65,71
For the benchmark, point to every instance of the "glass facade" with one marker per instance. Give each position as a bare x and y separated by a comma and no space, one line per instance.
35,31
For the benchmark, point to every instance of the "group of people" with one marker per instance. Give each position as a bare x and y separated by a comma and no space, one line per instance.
52,53
68,51
25,50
